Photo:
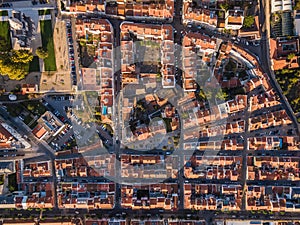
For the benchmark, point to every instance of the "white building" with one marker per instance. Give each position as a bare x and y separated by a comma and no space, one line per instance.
234,19
281,5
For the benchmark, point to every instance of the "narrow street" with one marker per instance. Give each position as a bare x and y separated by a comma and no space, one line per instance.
41,147
266,60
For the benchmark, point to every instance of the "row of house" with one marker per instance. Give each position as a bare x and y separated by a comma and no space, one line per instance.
144,221
149,166
196,49
198,116
218,167
128,9
102,165
86,195
274,198
264,100
264,121
153,196
35,195
273,142
101,78
215,18
150,35
232,144
216,130
272,168
197,196
212,197
38,169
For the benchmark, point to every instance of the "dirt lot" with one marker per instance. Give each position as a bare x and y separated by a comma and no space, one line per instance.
60,80
61,46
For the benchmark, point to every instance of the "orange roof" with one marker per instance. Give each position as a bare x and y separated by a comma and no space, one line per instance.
39,131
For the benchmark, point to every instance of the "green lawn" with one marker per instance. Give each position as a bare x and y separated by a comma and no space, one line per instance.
35,107
168,124
28,119
44,12
12,182
1,179
13,110
3,13
5,42
34,65
47,41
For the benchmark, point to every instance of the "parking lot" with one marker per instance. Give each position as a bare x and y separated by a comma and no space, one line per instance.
65,107
71,52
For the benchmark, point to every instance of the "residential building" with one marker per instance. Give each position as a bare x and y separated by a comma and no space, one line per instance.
281,5
38,169
101,78
153,196
272,168
35,195
96,166
149,166
201,167
212,196
48,126
157,38
124,9
197,50
265,100
29,88
280,49
276,118
186,222
86,195
234,19
6,138
253,32
274,198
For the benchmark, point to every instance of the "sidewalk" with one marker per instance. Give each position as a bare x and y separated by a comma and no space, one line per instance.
3,18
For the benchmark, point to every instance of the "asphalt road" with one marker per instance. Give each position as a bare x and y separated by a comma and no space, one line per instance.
207,215
266,59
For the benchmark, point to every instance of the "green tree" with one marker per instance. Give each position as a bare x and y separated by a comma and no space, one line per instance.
248,21
13,71
11,188
82,42
41,53
3,45
30,107
291,56
224,6
297,5
14,64
221,95
21,56
202,95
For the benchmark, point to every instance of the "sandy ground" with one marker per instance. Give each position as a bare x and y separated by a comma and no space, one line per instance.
61,80
61,46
